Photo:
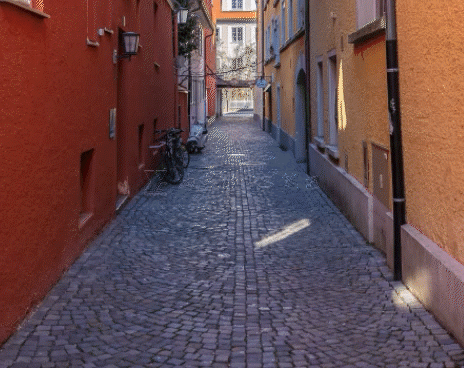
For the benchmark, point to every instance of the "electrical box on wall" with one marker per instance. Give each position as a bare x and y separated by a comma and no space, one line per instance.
112,124
380,171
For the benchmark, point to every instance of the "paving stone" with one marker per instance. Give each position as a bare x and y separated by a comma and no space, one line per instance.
245,264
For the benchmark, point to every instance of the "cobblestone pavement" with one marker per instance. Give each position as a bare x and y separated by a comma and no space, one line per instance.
245,264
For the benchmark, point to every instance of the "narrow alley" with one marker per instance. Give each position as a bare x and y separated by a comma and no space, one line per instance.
247,263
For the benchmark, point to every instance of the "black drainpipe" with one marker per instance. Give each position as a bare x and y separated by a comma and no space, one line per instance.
308,137
399,201
262,61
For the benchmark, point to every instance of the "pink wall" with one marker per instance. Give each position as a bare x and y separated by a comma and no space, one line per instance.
55,95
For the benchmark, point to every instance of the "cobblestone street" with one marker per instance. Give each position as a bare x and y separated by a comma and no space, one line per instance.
245,264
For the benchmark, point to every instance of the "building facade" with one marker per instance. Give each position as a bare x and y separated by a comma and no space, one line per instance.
236,51
350,151
196,70
77,120
283,37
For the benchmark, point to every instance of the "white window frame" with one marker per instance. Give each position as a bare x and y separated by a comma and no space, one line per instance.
368,10
276,39
283,16
290,18
301,14
238,5
236,28
200,41
332,92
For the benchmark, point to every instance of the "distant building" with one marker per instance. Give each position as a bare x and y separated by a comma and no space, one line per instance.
196,73
236,50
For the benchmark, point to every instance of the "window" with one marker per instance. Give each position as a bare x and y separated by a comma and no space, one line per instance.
301,14
237,63
279,115
283,15
36,4
290,18
237,34
366,164
267,45
320,99
200,40
237,4
253,34
218,32
86,187
333,108
140,159
276,39
368,11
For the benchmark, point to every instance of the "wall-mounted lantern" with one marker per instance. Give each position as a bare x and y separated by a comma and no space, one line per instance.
130,44
182,14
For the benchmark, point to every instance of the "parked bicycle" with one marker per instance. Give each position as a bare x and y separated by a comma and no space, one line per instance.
175,155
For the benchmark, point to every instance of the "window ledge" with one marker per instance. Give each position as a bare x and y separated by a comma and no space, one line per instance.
25,7
293,38
92,43
272,58
368,32
319,142
84,218
333,152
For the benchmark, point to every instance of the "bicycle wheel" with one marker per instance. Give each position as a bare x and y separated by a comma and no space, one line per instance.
174,170
185,156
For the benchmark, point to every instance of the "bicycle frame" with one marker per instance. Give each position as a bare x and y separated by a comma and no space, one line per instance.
170,143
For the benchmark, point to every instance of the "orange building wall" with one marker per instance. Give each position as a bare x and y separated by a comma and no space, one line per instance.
361,85
55,97
431,64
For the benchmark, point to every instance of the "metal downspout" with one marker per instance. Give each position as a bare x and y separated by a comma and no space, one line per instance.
399,201
262,62
308,137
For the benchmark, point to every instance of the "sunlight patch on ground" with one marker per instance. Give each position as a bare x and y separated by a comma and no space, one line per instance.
285,233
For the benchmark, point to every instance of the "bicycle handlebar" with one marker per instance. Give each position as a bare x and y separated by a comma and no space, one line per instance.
170,130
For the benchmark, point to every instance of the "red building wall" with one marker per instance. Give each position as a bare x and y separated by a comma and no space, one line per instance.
55,96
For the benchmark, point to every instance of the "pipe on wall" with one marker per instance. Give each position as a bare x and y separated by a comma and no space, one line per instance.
394,112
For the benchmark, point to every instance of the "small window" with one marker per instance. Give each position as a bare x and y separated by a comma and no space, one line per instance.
290,19
36,4
366,164
237,4
141,156
368,11
237,63
320,99
333,103
283,15
301,14
237,34
86,186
